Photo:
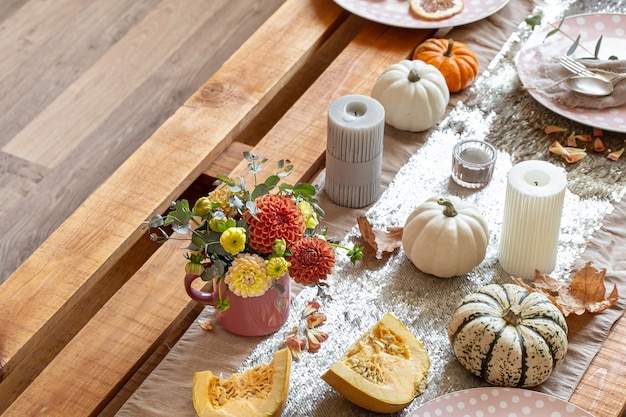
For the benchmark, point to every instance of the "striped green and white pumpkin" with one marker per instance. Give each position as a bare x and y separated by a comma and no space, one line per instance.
508,336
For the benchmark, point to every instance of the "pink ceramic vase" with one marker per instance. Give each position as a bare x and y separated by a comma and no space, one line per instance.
250,316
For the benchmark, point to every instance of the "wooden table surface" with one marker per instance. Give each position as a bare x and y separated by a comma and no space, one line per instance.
85,319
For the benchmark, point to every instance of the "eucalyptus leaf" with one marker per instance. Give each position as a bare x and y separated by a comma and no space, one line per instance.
254,168
251,208
272,181
207,275
260,190
181,228
236,202
596,51
156,221
218,268
574,46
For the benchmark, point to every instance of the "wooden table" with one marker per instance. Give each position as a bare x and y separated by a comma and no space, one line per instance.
85,319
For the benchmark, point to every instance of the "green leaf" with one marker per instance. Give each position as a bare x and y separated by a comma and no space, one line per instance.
260,190
596,51
574,46
304,188
533,21
217,268
223,305
272,181
226,180
207,275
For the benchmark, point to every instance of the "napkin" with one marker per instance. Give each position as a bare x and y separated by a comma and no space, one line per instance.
550,75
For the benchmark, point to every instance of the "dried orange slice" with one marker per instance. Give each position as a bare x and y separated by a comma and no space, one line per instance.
436,9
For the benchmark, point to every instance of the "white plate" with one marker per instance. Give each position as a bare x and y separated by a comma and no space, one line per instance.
612,27
510,402
396,12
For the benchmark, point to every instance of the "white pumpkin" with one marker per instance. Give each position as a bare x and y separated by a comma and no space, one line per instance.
508,336
445,237
414,94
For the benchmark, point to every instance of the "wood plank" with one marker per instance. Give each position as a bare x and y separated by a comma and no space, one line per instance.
52,195
607,373
49,45
112,79
33,310
9,7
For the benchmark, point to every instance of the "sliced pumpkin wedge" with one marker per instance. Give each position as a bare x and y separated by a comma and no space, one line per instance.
260,391
384,370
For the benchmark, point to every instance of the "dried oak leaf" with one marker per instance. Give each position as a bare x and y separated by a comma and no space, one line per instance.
586,292
380,240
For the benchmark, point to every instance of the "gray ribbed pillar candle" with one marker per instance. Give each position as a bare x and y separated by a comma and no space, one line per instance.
354,150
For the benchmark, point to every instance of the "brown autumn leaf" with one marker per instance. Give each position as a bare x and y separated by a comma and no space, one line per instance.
380,240
586,292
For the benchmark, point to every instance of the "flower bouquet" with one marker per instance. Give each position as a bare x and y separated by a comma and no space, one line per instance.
246,240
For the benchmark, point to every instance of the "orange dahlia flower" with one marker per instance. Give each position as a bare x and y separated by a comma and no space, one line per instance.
311,261
278,217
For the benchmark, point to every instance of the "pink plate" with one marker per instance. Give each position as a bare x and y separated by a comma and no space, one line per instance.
612,27
510,402
396,12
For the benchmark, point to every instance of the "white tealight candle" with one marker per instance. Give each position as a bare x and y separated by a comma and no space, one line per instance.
532,218
354,150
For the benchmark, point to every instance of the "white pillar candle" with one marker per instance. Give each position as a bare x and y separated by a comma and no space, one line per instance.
354,150
532,218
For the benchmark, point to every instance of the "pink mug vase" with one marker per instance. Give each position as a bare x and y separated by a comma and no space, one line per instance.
247,316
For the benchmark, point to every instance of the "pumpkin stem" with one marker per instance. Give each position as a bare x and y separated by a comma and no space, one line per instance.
512,317
449,209
414,75
449,50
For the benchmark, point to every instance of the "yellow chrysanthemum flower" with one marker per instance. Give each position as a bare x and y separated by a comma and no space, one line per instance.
233,240
221,196
247,276
310,216
276,267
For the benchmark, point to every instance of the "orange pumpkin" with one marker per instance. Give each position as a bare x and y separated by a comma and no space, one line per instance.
456,61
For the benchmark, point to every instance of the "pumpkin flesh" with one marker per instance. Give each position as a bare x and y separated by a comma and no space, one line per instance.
260,391
384,370
508,336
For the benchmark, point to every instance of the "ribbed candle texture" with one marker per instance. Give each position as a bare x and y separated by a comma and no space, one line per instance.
532,218
354,150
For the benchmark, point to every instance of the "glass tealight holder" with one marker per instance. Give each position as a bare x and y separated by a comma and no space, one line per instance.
472,163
